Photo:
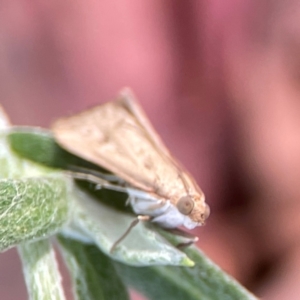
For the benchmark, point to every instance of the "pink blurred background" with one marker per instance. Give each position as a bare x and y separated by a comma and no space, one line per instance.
220,80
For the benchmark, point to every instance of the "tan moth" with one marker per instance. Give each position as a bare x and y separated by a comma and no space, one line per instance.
118,136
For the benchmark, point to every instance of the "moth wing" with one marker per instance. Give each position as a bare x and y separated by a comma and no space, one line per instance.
118,136
129,101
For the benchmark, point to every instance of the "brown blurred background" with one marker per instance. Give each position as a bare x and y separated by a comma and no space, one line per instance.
220,80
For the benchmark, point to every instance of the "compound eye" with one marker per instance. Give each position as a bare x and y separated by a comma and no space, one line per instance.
185,205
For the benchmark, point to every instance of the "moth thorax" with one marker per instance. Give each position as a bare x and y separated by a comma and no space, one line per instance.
185,205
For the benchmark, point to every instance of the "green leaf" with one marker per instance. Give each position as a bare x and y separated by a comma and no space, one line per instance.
205,281
143,246
93,274
34,200
15,167
41,272
32,208
103,225
38,145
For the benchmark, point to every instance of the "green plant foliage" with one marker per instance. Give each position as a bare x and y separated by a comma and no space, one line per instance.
204,281
41,271
32,208
38,145
92,279
38,202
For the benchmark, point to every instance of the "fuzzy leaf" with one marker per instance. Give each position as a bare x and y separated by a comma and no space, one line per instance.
40,270
32,208
205,281
34,200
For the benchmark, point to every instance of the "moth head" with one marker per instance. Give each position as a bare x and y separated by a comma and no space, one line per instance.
194,207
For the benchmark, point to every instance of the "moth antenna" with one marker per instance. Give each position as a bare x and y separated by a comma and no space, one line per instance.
97,180
105,176
185,183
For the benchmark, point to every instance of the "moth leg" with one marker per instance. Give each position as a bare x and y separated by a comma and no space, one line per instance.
176,231
132,225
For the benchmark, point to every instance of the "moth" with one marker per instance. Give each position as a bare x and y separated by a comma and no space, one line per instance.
119,137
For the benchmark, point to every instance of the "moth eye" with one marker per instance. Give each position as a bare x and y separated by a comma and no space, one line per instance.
185,205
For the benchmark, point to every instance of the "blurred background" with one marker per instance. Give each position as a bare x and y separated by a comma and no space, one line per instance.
220,80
